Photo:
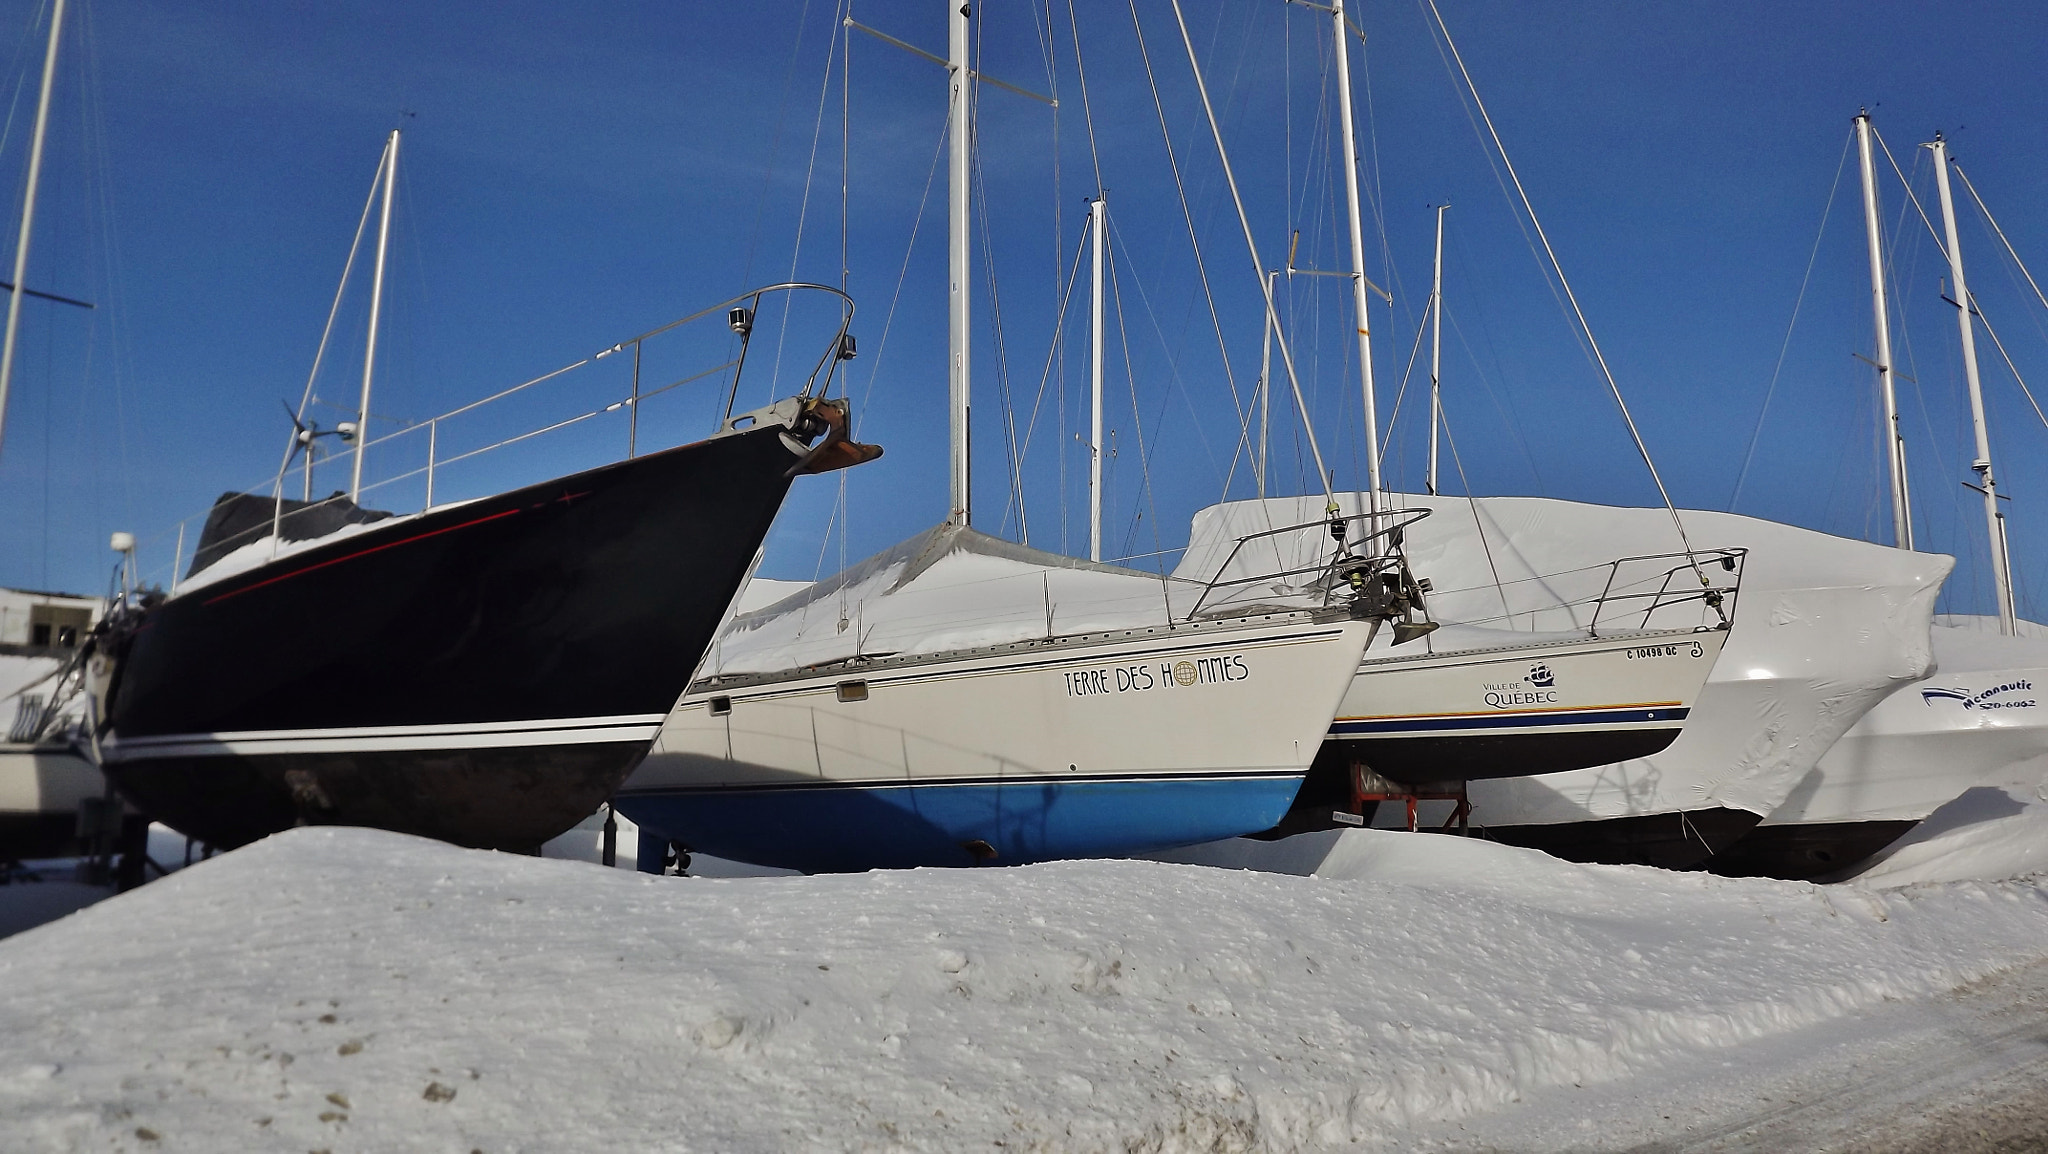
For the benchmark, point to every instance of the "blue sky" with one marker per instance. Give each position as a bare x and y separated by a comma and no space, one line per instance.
573,175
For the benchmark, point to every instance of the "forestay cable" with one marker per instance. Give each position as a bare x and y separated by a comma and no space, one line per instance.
1251,246
1238,407
1593,344
1785,346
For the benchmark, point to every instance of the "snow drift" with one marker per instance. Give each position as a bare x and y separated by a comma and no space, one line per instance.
331,988
1985,832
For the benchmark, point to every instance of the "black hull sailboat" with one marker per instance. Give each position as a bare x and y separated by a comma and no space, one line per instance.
485,673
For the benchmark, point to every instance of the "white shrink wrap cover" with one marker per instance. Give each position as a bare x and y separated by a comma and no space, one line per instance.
1825,628
1980,718
945,589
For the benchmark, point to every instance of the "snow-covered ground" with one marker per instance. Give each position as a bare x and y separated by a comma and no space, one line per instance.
347,989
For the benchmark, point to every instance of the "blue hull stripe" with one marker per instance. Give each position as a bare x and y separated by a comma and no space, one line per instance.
840,828
1669,715
1060,781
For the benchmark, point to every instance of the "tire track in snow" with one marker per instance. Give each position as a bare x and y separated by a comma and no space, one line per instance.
1980,1082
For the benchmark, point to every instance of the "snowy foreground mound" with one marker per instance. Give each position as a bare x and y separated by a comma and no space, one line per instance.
346,989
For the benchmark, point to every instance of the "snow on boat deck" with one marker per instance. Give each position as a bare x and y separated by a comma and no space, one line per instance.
348,989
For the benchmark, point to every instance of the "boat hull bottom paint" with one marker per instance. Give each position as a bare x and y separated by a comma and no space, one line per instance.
1418,760
502,798
1806,850
1679,840
836,829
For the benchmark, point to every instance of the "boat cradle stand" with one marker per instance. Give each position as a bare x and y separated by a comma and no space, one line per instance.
1367,786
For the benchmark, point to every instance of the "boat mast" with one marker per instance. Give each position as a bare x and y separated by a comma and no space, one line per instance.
28,212
1994,521
1266,380
1358,281
355,483
1436,347
1098,219
1895,441
960,118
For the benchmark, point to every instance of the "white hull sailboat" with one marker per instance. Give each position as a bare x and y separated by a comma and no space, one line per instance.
958,699
1606,665
961,699
1492,703
44,782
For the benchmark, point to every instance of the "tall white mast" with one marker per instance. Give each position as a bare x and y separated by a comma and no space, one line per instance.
1994,521
355,482
1358,281
1895,441
1266,381
1436,346
1098,218
28,211
960,118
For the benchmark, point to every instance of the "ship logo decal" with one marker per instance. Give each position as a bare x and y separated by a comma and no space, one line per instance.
1539,674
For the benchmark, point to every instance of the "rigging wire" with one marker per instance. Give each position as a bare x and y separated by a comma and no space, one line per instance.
1613,386
1786,345
1238,407
1414,352
1052,354
1087,109
1138,429
775,141
119,354
326,332
1900,301
1050,38
1323,478
803,212
1479,527
2000,233
2007,357
1178,384
1002,357
2016,262
889,318
1502,399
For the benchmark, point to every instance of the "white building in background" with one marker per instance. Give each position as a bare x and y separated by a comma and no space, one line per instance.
46,620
